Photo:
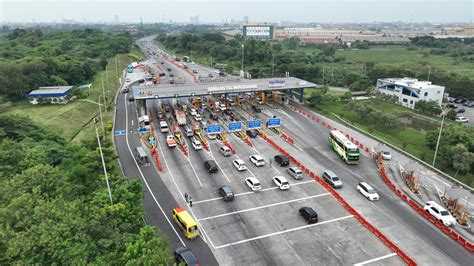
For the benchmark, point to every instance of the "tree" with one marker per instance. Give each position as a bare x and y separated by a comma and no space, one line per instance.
451,115
329,50
147,249
462,158
428,107
346,97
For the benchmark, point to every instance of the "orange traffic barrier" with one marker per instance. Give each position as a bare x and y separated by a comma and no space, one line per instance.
367,149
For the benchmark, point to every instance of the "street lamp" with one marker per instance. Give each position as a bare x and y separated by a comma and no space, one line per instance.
243,49
100,113
439,137
103,161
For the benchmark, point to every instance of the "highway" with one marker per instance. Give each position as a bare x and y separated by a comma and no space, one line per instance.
264,227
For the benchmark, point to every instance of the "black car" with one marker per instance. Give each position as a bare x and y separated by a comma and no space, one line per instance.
282,160
211,166
183,254
125,90
460,100
168,69
171,75
226,193
131,98
256,108
460,110
450,105
162,74
309,214
141,80
252,133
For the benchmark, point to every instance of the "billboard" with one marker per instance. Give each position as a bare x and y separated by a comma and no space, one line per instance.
258,32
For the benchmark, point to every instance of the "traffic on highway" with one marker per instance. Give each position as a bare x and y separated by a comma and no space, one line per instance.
256,178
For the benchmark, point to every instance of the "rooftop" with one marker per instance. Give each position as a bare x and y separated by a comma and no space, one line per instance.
411,82
51,91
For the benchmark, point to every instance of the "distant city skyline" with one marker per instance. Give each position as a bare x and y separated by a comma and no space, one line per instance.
301,11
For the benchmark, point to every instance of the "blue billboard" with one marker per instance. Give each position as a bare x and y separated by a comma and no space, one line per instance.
273,122
254,124
235,126
213,129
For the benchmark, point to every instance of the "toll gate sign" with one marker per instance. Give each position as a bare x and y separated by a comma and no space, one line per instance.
274,122
254,124
213,129
234,126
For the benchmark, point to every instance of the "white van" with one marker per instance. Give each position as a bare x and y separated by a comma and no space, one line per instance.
189,132
197,144
163,126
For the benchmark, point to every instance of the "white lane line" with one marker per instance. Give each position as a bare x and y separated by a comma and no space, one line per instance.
283,232
143,177
252,192
432,176
181,195
264,206
190,163
376,259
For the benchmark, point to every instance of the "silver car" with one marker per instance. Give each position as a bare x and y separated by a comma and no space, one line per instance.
295,172
332,179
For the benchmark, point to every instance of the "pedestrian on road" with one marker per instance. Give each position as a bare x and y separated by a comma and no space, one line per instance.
190,201
186,197
270,162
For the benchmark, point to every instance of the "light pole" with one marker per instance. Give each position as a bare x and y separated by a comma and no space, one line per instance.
439,137
243,49
100,113
103,161
103,92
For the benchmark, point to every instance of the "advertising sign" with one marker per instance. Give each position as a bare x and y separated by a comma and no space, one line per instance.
254,124
213,129
235,126
274,122
258,32
276,83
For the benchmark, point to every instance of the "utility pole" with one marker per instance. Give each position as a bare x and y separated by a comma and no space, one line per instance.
103,161
429,72
100,113
107,78
439,138
103,92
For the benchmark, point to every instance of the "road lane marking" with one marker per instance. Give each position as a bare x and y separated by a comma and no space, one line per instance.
264,206
252,192
283,232
143,177
376,259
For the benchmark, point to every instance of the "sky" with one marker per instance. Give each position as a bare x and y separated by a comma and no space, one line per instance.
303,11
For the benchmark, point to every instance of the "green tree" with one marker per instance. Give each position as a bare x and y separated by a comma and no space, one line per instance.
147,249
462,159
451,115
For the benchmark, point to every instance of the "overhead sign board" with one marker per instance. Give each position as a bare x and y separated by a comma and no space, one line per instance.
273,122
213,129
143,129
252,124
120,132
276,83
234,126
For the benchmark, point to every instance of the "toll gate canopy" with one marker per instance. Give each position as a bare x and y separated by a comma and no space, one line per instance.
164,91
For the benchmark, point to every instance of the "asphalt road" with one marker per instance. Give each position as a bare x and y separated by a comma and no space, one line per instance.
262,228
419,238
157,202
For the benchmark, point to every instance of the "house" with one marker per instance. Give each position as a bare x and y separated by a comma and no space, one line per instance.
57,95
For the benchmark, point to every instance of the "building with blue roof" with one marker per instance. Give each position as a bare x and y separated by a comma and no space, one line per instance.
55,95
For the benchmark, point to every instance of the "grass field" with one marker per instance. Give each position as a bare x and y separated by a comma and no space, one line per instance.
403,56
72,120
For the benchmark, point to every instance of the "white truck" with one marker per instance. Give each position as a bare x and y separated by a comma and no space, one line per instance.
171,141
180,117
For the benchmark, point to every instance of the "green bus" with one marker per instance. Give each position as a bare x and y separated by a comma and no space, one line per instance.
347,150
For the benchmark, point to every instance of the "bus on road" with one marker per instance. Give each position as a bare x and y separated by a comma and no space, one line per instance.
130,69
184,220
347,150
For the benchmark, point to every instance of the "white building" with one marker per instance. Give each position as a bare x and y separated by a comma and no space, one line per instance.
409,91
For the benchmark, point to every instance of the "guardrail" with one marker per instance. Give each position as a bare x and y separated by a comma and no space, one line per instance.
452,179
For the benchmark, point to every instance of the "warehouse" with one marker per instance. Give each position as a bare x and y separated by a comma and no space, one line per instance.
57,95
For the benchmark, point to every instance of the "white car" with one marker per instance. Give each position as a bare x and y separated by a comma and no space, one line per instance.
281,182
257,160
440,213
253,183
386,155
128,80
368,192
197,144
198,117
193,112
239,164
462,119
212,136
